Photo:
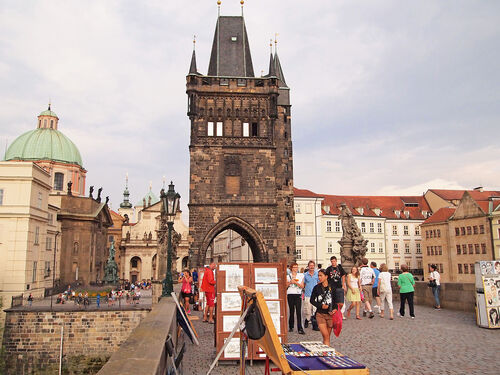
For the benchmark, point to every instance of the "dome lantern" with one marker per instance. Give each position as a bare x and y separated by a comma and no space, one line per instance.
47,119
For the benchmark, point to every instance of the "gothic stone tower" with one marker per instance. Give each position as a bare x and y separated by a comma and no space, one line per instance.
241,162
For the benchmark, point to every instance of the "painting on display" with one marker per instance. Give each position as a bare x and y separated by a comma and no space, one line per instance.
234,278
266,275
269,291
273,306
492,290
230,302
490,267
493,317
229,322
232,349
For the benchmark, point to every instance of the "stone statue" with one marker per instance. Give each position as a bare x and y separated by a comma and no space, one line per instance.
126,221
70,184
353,244
99,195
107,199
111,270
91,190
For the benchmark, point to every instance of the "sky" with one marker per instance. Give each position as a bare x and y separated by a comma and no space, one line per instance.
388,97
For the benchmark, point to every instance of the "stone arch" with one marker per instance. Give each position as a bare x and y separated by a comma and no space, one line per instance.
245,230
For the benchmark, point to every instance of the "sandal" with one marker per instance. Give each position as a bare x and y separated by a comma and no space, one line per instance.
211,322
359,318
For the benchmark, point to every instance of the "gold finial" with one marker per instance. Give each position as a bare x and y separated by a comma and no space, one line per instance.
242,2
271,44
218,2
194,42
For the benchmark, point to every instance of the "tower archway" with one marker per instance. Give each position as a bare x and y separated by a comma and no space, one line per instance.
244,229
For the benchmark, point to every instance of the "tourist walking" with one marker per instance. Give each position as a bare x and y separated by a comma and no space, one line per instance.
30,300
323,298
336,278
385,291
194,274
435,280
295,284
375,293
406,290
367,276
186,279
208,286
310,281
98,300
353,291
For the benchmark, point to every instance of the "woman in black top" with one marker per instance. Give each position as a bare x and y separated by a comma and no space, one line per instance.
323,298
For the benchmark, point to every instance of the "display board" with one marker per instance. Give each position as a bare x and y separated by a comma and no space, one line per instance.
270,279
488,293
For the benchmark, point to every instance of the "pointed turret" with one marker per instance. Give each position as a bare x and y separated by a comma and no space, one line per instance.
126,203
279,71
272,66
192,67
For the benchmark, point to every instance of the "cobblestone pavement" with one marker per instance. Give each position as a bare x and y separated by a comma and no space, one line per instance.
435,342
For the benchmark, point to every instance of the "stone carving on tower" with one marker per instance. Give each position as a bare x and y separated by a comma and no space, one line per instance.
352,244
241,163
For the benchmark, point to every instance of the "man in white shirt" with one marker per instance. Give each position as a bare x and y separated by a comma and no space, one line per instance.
367,277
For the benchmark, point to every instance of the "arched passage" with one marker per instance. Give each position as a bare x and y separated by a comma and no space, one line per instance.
135,269
244,229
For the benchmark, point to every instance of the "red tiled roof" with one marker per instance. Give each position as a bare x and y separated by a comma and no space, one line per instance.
458,194
303,193
440,216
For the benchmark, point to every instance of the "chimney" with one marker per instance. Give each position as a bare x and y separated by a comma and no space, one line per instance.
479,188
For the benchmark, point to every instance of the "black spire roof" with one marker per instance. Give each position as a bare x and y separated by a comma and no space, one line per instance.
192,67
272,67
230,50
279,71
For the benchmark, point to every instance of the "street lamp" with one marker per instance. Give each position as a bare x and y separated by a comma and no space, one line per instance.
54,269
170,205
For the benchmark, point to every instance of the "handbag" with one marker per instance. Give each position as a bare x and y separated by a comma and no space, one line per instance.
362,295
432,284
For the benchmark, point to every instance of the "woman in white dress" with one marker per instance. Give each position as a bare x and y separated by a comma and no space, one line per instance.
385,291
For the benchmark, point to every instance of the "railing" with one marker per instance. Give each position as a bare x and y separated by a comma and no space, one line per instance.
17,300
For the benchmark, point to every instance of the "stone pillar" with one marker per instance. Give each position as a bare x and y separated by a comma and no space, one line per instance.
346,255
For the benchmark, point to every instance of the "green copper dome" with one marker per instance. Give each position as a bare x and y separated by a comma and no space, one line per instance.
48,112
44,144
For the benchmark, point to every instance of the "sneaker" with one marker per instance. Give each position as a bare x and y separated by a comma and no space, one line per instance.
290,329
364,313
306,323
413,317
301,331
371,315
398,314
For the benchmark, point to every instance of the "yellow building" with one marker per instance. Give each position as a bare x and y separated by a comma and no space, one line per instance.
28,231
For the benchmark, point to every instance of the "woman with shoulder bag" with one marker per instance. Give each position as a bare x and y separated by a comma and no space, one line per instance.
385,290
323,298
435,284
186,290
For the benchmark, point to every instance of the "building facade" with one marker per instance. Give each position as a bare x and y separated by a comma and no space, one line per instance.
241,163
28,232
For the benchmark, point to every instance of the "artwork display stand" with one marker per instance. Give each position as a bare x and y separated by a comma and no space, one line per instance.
487,294
270,278
288,364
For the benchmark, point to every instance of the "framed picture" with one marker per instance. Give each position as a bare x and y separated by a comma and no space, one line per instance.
266,275
277,323
273,306
232,349
234,278
229,322
270,291
230,302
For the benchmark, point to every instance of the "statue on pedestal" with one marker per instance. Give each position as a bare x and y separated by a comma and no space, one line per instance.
111,270
352,244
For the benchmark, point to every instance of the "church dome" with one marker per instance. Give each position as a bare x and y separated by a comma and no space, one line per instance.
45,143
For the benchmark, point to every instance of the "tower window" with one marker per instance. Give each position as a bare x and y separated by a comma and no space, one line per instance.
255,129
58,181
51,124
219,129
246,129
45,123
210,129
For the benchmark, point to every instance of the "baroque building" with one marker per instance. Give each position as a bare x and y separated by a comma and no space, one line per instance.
241,163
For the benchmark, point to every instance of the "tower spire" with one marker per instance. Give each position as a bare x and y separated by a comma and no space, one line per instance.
272,64
242,3
192,67
126,203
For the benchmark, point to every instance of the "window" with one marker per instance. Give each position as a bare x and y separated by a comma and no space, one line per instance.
396,265
417,230
51,124
466,268
483,248
51,218
330,247
464,249
363,227
407,248
394,230
372,247
328,226
35,265
379,227
441,268
457,231
396,250
476,248
297,208
133,262
1,196
469,231
434,233
380,247
405,230
58,181
255,129
481,229
299,253
471,249
432,250
37,235
337,226
40,200
462,231
246,129
438,232
460,268
472,268
210,129
459,250
426,234
419,249
75,248
428,250
46,269
372,228
419,264
440,250
48,243
219,129
474,228
297,230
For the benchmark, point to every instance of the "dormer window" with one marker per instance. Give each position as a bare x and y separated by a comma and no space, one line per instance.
407,214
361,210
398,213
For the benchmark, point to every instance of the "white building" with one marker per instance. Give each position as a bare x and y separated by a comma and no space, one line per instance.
389,223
